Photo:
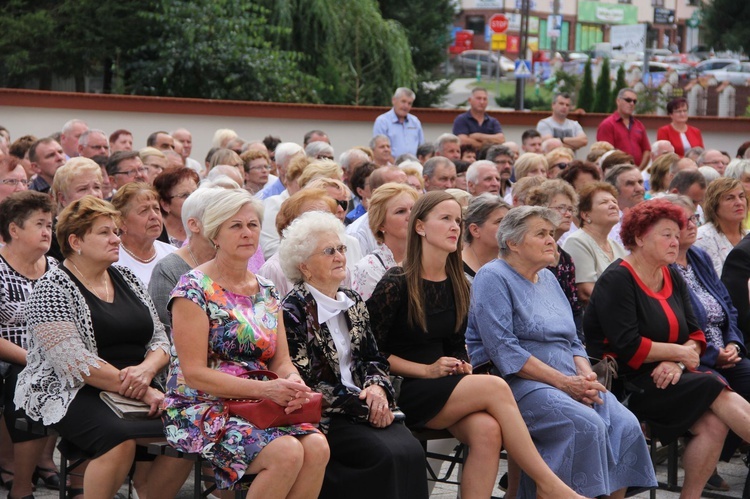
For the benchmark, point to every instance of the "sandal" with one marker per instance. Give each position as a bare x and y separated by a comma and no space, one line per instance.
49,476
8,484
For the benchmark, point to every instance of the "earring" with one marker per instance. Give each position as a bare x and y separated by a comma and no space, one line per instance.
79,251
588,220
420,234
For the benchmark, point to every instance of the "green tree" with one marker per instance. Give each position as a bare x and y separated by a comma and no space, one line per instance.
603,86
426,23
586,93
726,24
70,38
357,56
620,83
216,49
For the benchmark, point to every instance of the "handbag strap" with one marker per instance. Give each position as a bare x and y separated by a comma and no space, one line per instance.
224,414
258,373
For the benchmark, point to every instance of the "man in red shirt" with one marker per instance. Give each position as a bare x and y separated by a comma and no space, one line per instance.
625,132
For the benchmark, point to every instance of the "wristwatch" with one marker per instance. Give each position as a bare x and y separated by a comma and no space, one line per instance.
681,365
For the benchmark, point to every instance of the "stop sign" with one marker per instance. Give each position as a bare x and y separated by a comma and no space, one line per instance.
498,23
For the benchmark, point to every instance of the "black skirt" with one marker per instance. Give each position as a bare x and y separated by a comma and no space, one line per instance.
672,411
422,399
373,463
94,429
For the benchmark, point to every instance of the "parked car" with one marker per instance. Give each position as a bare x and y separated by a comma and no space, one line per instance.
688,73
736,73
466,62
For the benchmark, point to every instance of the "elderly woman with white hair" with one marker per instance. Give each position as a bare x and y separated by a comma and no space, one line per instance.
196,251
333,348
226,322
521,328
319,150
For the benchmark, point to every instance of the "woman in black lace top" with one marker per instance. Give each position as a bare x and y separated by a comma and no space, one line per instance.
418,315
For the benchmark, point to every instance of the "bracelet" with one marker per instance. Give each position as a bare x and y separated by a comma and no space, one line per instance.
681,365
737,347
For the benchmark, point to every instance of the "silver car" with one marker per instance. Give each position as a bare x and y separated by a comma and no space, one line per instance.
466,62
737,74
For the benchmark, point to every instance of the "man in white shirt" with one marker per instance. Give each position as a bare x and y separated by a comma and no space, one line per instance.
558,125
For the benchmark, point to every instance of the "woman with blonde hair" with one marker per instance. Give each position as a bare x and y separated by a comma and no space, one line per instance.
661,171
530,164
390,208
724,209
153,159
226,157
558,160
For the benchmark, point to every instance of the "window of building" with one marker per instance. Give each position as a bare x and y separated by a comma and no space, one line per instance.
624,1
475,23
657,3
694,2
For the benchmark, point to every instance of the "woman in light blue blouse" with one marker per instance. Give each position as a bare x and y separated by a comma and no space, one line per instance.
521,327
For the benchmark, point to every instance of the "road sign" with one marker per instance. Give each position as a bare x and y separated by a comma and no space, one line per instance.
663,16
498,23
499,41
523,69
554,26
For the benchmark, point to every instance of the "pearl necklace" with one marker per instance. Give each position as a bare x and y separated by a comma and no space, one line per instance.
147,260
88,284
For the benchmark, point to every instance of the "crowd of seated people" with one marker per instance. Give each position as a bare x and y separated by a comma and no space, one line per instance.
485,277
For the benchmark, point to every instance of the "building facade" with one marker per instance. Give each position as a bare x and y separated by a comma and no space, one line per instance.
584,22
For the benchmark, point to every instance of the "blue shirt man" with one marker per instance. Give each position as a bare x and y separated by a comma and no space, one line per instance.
403,129
475,127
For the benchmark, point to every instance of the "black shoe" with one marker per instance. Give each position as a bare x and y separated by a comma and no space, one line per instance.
717,483
503,483
50,477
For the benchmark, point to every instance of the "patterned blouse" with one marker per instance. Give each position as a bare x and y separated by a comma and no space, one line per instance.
715,316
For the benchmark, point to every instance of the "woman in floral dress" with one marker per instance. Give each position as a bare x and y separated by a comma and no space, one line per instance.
225,323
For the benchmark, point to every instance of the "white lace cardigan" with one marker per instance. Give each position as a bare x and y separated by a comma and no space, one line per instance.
62,346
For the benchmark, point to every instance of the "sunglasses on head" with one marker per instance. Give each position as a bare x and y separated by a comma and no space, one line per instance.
630,100
561,166
344,203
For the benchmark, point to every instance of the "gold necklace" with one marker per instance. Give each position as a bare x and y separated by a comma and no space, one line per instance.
195,261
88,284
147,260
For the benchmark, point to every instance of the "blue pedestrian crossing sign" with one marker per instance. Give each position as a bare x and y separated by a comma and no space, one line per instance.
523,69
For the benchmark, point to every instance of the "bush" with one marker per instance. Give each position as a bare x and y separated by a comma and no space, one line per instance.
603,85
586,94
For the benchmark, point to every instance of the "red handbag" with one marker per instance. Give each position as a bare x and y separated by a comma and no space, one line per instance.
265,413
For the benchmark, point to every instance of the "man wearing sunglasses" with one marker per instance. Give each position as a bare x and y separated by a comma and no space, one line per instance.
625,132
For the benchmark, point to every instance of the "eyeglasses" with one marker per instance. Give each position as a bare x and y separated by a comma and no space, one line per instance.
132,173
184,195
15,181
154,166
716,162
259,168
563,209
332,250
344,203
696,219
561,166
630,100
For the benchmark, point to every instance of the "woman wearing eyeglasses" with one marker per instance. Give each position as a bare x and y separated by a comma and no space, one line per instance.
558,160
174,186
257,168
332,346
681,135
561,197
725,349
12,177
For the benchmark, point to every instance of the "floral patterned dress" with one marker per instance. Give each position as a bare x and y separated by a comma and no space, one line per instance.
242,336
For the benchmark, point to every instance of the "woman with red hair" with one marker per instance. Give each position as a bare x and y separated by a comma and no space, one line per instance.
640,313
